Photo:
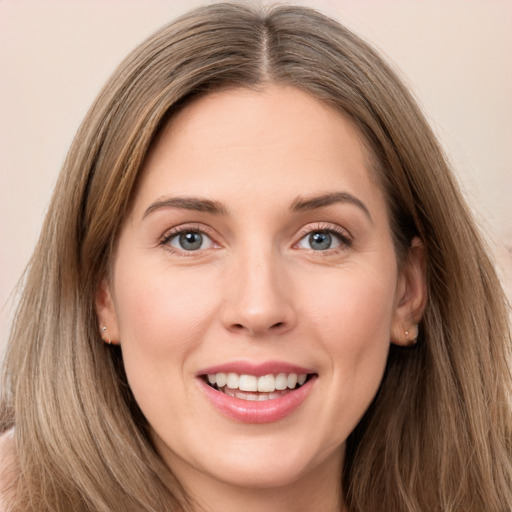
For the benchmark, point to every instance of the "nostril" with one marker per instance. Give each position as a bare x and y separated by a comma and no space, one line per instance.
241,327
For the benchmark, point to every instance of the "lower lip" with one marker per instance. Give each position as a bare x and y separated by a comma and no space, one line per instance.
267,411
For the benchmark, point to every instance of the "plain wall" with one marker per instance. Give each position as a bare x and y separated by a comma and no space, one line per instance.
55,56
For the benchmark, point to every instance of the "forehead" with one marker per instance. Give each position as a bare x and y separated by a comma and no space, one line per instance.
278,141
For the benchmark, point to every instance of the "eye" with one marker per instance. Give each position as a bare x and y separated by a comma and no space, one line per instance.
189,240
323,240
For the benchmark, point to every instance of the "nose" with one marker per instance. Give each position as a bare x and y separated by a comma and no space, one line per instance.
258,297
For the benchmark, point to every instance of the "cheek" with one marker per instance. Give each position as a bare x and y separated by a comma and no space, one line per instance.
159,311
354,306
162,317
352,315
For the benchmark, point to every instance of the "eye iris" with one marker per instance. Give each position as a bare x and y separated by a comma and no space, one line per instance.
191,241
320,241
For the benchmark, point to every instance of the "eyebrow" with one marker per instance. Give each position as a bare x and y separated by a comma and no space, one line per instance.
304,204
187,203
299,205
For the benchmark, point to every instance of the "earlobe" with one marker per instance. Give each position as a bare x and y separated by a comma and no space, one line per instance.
412,334
105,310
411,296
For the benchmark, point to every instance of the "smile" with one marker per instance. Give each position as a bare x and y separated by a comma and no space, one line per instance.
254,388
257,393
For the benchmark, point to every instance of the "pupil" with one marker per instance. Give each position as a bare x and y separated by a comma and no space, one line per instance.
191,241
320,241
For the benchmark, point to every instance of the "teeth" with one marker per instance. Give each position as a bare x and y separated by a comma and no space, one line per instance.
233,381
292,380
281,381
248,383
220,379
254,397
266,384
252,384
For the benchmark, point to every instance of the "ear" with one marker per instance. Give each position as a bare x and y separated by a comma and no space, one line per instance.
411,296
106,312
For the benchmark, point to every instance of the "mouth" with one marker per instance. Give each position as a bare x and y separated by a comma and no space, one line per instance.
256,388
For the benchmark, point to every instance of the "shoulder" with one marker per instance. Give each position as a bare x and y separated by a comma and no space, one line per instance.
7,467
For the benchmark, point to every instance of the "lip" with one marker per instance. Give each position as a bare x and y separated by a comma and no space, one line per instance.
257,412
256,369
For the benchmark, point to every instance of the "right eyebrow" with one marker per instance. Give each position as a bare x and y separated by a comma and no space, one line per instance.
304,204
187,203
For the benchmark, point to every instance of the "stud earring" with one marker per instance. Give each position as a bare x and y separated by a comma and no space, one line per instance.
414,337
105,336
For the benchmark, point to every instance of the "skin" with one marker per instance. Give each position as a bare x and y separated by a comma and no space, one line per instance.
258,290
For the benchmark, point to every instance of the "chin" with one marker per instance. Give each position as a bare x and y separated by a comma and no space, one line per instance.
262,474
257,461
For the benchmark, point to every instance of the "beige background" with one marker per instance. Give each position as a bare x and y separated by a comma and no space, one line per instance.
55,55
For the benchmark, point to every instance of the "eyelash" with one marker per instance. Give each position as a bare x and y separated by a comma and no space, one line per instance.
343,237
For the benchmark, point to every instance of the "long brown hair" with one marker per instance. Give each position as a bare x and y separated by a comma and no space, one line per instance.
437,437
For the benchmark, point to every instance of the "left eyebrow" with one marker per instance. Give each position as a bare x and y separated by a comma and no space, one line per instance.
187,203
312,203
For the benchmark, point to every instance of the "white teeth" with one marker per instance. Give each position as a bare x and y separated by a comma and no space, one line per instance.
250,396
292,380
250,383
220,380
281,381
253,397
232,381
266,384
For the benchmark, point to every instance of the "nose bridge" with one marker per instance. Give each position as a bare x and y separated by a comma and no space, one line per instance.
258,293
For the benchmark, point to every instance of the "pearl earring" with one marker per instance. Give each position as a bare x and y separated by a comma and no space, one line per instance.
414,338
105,336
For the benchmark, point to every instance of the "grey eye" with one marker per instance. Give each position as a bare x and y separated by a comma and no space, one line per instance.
319,241
190,241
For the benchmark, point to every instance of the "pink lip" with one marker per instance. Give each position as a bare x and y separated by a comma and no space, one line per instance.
247,411
257,369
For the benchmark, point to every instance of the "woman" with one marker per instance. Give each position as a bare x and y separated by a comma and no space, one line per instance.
257,286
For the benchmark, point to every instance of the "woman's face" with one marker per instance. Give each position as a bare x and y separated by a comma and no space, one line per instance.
258,252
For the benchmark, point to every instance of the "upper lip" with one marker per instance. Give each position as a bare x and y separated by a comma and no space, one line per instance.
256,369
